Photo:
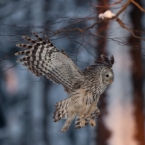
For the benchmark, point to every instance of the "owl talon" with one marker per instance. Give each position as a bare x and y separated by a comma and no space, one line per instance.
80,122
92,122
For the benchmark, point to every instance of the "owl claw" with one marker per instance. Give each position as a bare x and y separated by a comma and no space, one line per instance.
92,122
80,123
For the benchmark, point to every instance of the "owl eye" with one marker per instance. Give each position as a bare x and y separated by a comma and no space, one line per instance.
107,76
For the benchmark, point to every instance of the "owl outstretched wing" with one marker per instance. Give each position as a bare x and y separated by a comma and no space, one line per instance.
42,58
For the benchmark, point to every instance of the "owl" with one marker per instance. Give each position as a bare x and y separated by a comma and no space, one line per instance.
84,88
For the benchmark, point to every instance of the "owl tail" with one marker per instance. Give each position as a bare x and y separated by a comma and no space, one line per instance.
68,123
61,110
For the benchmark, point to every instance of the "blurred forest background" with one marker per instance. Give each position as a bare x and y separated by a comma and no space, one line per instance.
27,102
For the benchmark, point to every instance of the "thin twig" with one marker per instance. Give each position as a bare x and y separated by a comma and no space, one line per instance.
111,5
131,31
123,8
135,3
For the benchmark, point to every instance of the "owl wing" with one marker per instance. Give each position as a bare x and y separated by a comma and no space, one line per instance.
42,58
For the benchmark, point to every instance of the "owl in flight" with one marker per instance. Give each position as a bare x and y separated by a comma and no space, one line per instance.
84,88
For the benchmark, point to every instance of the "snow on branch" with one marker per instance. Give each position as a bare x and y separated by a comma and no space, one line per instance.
106,14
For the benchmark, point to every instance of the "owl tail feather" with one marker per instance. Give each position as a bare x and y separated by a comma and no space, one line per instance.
61,110
67,123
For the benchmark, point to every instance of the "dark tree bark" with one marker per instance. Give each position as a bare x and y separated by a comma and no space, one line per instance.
102,133
137,75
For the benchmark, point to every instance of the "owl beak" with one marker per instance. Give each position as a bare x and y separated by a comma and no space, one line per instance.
111,80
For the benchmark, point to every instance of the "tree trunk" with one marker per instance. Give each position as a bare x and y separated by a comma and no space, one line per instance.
137,75
102,132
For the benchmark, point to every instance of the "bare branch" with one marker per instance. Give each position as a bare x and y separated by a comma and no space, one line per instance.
131,31
123,8
135,3
111,5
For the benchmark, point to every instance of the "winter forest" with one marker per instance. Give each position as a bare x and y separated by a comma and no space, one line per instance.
27,102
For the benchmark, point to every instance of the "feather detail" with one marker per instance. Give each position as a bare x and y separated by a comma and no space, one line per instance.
42,58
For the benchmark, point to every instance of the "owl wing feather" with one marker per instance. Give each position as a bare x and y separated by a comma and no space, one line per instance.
42,58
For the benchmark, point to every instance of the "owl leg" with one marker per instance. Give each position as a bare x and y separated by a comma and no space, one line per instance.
61,110
91,119
80,122
67,123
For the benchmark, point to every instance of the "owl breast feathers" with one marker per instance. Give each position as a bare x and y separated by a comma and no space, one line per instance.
84,88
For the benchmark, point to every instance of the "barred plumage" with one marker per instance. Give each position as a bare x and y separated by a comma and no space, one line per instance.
84,88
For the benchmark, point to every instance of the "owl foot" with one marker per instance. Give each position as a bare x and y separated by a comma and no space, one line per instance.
79,123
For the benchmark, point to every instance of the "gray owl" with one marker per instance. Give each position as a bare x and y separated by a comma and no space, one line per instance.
84,88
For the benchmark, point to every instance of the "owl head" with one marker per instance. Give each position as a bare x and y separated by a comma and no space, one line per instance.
107,74
101,70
